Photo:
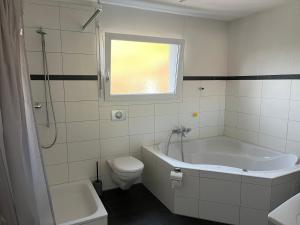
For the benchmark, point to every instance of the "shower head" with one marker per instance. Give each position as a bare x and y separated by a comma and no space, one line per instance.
98,10
40,31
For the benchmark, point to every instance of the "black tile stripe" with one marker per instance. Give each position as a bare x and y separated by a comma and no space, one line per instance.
64,77
190,78
254,77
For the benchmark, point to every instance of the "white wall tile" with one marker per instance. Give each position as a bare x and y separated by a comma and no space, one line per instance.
219,212
247,136
251,216
275,108
255,196
190,187
279,89
272,142
213,190
81,111
41,16
81,91
79,64
46,134
231,119
211,103
141,125
250,88
38,91
248,122
59,112
78,42
55,155
73,19
294,110
82,170
206,132
213,87
141,110
166,109
35,63
190,104
295,92
191,88
186,206
249,105
188,120
82,131
57,174
230,132
293,147
232,88
83,150
209,119
33,40
164,137
273,127
281,193
294,131
222,102
114,146
232,103
166,123
110,128
137,141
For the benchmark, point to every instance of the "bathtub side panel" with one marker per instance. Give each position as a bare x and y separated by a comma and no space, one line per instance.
156,178
101,221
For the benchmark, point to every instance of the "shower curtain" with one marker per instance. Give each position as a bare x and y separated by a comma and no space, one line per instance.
24,198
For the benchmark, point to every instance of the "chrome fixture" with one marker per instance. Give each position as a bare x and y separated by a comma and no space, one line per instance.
37,105
47,90
98,10
182,131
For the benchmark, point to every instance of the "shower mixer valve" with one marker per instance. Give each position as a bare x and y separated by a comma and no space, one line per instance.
37,105
183,131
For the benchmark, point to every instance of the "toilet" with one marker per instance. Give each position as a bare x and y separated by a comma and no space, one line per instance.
125,171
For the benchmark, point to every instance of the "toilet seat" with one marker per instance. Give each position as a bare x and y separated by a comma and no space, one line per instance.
126,165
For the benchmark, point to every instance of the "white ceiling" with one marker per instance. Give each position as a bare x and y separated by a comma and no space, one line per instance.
216,9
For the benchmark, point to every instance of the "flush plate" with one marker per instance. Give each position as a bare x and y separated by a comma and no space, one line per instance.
118,115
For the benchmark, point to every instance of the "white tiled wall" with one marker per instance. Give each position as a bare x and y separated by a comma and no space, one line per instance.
264,112
86,133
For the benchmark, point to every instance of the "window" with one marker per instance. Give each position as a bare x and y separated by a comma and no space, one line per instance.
140,67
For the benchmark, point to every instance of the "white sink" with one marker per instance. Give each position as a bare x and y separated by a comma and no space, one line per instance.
287,213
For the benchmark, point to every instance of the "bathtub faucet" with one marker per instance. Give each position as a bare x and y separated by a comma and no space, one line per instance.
183,131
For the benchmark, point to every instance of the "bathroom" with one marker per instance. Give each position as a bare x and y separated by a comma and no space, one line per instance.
211,135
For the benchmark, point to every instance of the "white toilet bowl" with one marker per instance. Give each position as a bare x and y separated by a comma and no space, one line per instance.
125,171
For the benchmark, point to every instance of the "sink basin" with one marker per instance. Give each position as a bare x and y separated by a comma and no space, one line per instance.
287,213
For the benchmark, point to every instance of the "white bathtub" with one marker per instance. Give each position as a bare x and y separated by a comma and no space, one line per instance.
229,152
77,203
224,180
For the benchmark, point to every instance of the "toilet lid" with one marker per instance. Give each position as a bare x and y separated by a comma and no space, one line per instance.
127,164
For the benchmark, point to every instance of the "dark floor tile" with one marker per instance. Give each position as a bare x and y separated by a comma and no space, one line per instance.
138,206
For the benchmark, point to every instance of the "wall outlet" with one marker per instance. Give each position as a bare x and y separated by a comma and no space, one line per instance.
118,115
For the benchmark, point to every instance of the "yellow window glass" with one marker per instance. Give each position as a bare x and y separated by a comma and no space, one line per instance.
142,67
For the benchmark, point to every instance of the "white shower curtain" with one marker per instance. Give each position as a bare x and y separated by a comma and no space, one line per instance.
24,198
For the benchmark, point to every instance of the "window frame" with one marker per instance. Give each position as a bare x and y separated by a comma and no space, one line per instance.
139,38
